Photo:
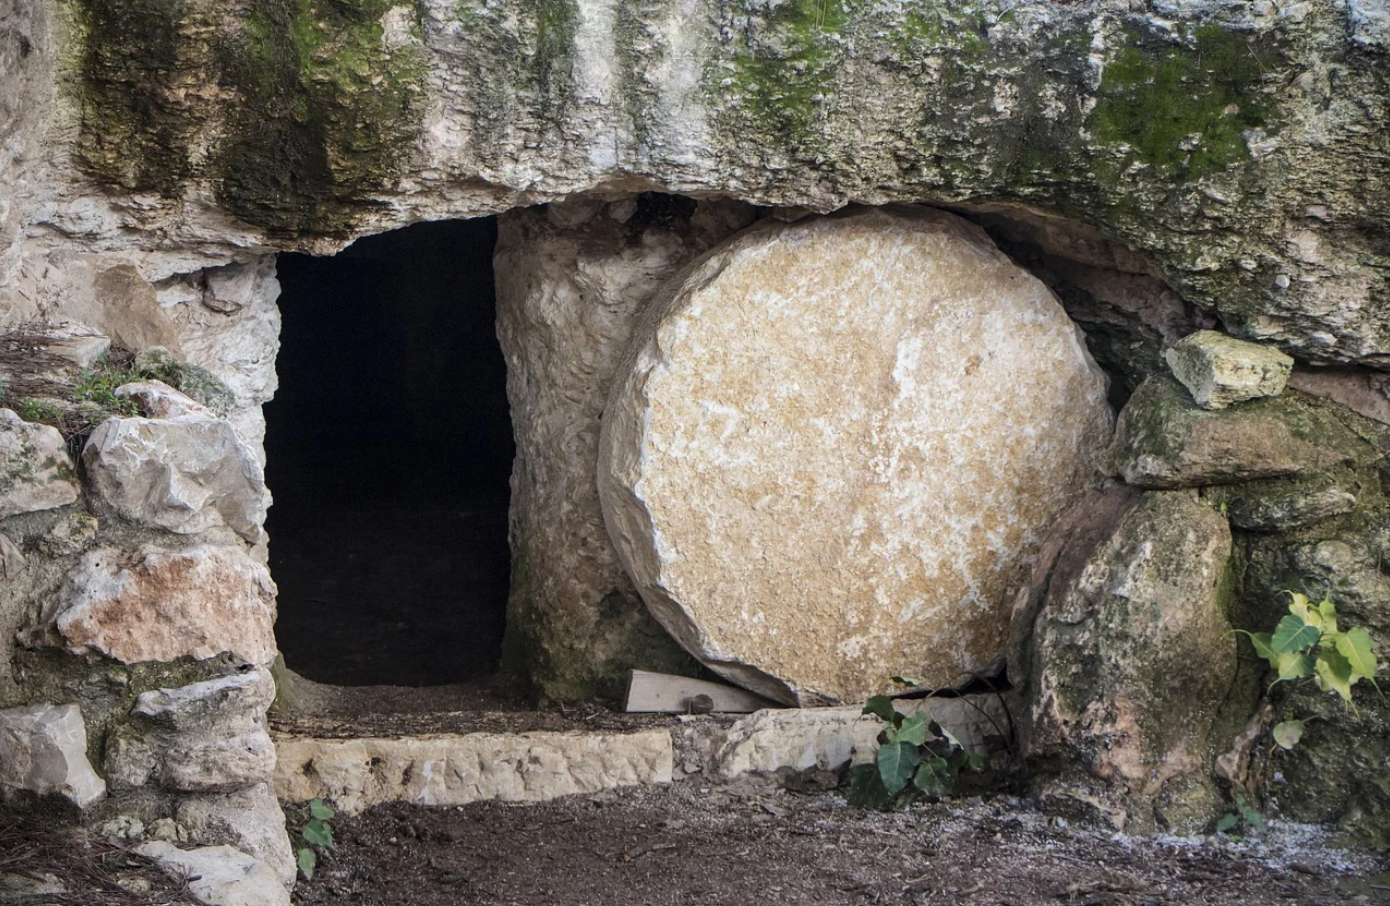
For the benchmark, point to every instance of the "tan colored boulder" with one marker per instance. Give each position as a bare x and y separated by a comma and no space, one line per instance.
160,605
834,444
1219,370
36,471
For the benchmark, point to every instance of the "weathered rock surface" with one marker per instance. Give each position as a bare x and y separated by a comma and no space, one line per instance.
161,605
219,875
184,474
1278,505
250,820
43,750
157,399
219,764
831,451
572,280
238,696
1164,440
1219,370
36,471
1130,660
458,769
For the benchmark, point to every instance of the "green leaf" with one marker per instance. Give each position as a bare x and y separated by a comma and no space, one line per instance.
1228,822
905,681
1288,733
1294,634
1263,646
1333,673
895,764
866,789
318,833
320,809
881,706
975,762
1306,612
308,861
913,731
935,776
1357,647
1328,612
1251,816
1294,665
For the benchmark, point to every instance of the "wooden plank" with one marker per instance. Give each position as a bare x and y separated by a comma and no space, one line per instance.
649,692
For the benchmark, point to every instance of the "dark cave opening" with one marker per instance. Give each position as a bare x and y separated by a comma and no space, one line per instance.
389,452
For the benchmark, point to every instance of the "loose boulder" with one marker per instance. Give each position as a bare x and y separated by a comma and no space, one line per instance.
36,472
160,605
833,445
184,474
1219,370
43,750
1129,662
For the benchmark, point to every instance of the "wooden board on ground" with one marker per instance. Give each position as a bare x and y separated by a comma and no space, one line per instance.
661,693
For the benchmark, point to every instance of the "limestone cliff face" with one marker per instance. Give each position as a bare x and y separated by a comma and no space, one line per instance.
1242,144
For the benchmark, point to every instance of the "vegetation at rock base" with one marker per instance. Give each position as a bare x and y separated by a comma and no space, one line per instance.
313,836
1307,643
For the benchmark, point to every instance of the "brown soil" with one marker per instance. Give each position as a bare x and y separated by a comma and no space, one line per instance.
753,843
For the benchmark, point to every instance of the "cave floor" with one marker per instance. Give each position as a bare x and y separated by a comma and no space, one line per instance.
753,842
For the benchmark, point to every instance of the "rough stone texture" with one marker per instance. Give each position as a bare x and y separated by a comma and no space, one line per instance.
250,820
571,282
1164,440
1281,504
455,770
161,605
1130,659
220,764
1366,393
1219,370
36,471
219,875
828,457
26,63
1239,143
830,738
157,399
185,474
43,750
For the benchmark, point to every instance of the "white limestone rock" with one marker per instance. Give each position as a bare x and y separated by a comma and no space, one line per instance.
154,604
43,750
834,445
250,820
239,696
219,875
449,769
184,474
157,399
36,471
1219,370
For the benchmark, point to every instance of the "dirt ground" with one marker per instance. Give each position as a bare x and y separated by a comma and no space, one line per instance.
752,842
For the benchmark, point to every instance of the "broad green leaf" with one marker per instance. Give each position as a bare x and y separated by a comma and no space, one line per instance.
1357,647
320,809
914,730
1294,665
1328,611
1333,673
1294,634
318,833
1263,646
1252,817
1288,733
1228,822
895,764
308,861
935,776
975,762
951,738
866,789
881,706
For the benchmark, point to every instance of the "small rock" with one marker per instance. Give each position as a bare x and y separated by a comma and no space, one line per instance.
136,886
70,535
250,820
22,889
246,695
220,765
167,830
157,399
43,750
36,471
123,828
1219,370
219,875
11,559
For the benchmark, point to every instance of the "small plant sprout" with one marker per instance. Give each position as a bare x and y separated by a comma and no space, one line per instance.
315,835
1308,643
1243,818
915,757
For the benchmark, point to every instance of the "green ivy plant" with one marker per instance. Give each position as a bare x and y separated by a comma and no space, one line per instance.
916,756
1244,818
315,835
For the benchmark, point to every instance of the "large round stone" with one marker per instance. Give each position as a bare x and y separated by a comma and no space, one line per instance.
832,449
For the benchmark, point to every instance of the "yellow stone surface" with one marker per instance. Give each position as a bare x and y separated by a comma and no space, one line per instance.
833,447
